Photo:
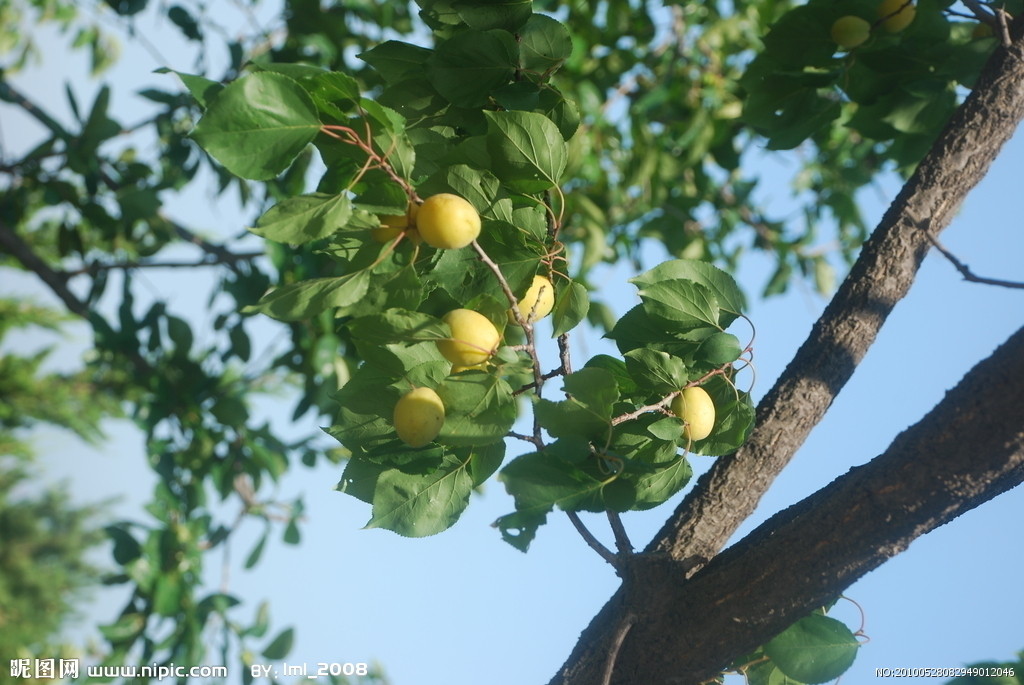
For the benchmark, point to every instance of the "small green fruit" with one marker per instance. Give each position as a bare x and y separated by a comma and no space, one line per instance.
695,408
419,416
474,338
850,31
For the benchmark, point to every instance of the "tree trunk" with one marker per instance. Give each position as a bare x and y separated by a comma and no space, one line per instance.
676,627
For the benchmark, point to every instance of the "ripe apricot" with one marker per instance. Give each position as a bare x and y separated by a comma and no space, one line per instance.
419,416
695,407
474,338
447,221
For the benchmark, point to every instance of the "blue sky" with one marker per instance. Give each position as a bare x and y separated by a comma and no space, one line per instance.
463,607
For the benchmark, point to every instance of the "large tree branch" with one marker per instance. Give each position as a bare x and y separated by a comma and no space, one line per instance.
730,491
967,450
58,282
882,276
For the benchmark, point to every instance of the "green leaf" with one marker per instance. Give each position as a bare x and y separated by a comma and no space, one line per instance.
397,61
421,504
680,304
126,547
654,489
258,124
720,348
571,306
479,409
587,413
617,368
281,645
467,67
539,482
167,593
292,535
202,89
656,371
494,14
544,43
398,325
257,551
527,150
815,649
301,219
306,299
124,629
727,293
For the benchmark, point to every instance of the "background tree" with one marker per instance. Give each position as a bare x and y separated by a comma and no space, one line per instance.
655,111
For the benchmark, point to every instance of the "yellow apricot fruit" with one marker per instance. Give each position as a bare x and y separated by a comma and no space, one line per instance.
850,31
537,302
695,408
474,338
447,221
390,226
457,368
393,224
896,15
419,416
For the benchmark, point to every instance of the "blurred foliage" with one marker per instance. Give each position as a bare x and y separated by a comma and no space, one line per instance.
43,567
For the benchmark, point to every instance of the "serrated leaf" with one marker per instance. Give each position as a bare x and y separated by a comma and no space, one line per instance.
509,15
527,150
572,302
587,413
467,67
815,649
680,304
544,43
727,293
302,219
202,89
396,61
306,299
421,504
656,371
653,489
398,325
479,409
540,482
257,125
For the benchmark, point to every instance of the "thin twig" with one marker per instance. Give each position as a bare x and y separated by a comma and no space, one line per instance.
97,267
589,538
966,272
622,544
526,438
527,328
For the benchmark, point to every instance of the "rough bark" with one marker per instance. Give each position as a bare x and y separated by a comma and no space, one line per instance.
730,491
967,450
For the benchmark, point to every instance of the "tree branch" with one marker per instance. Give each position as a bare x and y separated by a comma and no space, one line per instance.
882,276
965,270
972,444
57,282
96,267
728,493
